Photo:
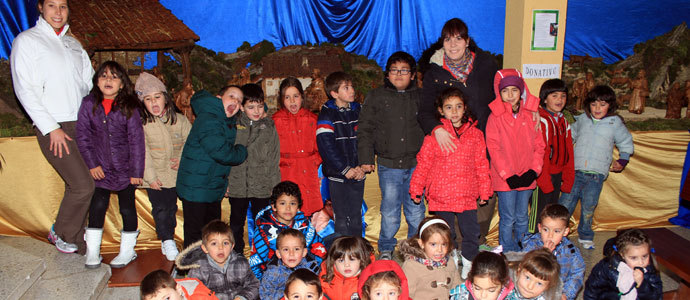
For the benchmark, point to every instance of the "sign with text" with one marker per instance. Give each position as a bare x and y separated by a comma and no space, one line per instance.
541,71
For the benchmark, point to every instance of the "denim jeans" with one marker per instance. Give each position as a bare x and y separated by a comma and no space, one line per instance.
587,186
395,191
512,209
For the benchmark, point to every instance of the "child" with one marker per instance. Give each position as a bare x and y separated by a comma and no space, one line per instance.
383,280
292,255
222,270
553,235
159,285
283,213
111,141
209,152
388,129
595,133
626,273
426,261
536,277
488,279
303,284
299,157
253,180
557,172
165,132
340,271
452,181
336,138
517,154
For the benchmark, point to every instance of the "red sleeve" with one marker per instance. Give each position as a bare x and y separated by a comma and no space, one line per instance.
569,168
499,160
544,179
425,159
482,168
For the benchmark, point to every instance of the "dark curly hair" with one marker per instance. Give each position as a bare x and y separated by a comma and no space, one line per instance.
449,93
286,188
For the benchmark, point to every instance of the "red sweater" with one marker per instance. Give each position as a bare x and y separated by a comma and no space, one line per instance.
558,153
453,180
299,157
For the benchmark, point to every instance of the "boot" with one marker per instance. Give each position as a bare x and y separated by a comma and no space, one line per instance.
127,242
455,255
466,266
93,238
169,249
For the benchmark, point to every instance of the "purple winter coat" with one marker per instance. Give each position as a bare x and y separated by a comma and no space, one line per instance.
113,142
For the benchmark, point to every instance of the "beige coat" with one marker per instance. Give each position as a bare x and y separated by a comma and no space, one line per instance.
164,142
426,282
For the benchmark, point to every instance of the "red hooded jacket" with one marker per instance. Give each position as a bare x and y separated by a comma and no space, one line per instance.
514,145
299,157
383,266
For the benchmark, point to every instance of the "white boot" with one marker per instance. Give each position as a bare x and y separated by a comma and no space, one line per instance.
455,255
466,267
169,249
127,242
93,238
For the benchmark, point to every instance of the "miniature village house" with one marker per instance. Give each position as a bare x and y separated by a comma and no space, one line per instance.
295,61
125,30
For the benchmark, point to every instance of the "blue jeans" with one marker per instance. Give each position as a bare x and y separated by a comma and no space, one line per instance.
395,191
586,187
512,209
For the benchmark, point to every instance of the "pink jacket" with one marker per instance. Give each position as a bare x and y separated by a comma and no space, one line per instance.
453,181
514,145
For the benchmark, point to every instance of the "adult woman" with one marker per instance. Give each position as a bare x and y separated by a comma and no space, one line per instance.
51,73
456,65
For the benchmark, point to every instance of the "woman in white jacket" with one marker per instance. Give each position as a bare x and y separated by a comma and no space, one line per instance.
51,74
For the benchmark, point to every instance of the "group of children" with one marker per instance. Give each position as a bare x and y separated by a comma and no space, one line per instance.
131,136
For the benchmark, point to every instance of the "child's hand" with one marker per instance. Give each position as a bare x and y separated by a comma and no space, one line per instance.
350,173
638,275
237,298
360,173
136,181
535,118
550,245
175,163
417,199
97,173
227,192
445,140
618,166
483,201
368,168
156,185
564,297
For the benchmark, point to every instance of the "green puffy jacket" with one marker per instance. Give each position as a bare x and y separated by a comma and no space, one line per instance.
209,152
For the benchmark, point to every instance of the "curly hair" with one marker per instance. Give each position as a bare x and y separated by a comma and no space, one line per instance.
288,188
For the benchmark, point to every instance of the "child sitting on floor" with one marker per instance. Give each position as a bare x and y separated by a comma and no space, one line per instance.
222,270
159,285
292,255
303,284
383,279
283,213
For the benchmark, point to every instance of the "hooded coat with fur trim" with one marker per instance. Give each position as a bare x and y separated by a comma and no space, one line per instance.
514,145
427,282
381,266
234,279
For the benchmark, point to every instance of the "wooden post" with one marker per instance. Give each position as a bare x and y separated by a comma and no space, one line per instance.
519,49
186,52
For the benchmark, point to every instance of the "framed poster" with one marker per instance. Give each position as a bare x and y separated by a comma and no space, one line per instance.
544,30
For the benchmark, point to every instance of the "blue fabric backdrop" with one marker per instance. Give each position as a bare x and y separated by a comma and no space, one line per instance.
377,28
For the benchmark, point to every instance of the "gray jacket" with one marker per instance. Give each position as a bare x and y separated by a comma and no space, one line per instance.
388,127
260,172
234,279
594,142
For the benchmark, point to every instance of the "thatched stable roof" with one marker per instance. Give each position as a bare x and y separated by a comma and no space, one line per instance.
127,25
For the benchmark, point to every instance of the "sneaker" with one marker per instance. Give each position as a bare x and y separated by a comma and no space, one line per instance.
586,244
61,245
386,255
485,247
169,249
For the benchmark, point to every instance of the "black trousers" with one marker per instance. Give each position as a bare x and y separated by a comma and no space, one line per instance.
347,207
238,216
163,209
544,199
469,228
99,206
196,216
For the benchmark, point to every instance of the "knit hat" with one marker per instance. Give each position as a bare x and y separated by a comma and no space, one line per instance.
508,81
148,84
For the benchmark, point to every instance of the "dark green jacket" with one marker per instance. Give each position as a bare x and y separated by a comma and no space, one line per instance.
388,127
209,152
256,176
